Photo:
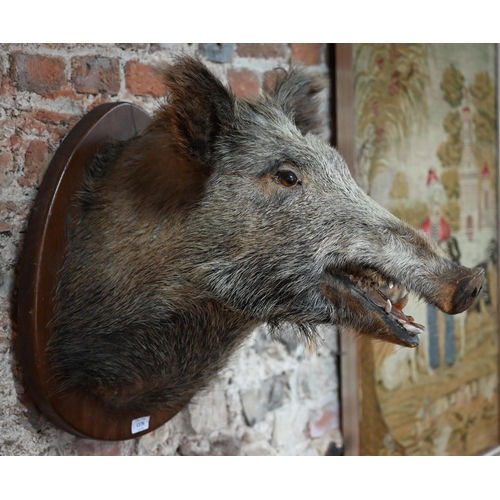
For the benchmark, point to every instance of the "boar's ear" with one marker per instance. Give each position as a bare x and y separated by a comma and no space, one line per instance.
198,107
296,92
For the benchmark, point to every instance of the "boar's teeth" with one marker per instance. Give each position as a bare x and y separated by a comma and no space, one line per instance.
391,285
412,329
388,307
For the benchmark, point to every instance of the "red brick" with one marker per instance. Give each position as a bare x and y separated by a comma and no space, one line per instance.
306,53
36,73
243,82
6,161
31,125
143,79
36,160
7,87
66,92
261,50
16,143
96,75
53,118
58,124
4,227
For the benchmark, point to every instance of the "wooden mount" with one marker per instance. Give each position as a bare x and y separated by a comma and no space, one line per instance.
51,225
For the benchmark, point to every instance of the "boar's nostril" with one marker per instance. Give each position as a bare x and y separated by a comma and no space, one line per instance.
468,286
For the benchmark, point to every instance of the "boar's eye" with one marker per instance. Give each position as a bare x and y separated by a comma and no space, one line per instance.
287,178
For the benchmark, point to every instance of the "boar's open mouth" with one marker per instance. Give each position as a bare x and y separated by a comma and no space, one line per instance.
372,305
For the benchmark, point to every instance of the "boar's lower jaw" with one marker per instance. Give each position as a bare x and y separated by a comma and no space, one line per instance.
362,305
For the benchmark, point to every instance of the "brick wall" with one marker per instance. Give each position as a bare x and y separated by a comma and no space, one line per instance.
275,397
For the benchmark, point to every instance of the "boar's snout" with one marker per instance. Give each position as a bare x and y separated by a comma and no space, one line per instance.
463,287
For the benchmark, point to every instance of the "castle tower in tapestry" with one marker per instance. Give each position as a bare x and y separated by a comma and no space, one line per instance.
469,180
487,200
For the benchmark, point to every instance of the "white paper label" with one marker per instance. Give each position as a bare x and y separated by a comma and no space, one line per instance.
140,424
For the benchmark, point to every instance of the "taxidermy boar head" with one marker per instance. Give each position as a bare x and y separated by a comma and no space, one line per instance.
225,214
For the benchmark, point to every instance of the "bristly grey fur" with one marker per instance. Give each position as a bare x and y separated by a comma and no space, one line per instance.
225,214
